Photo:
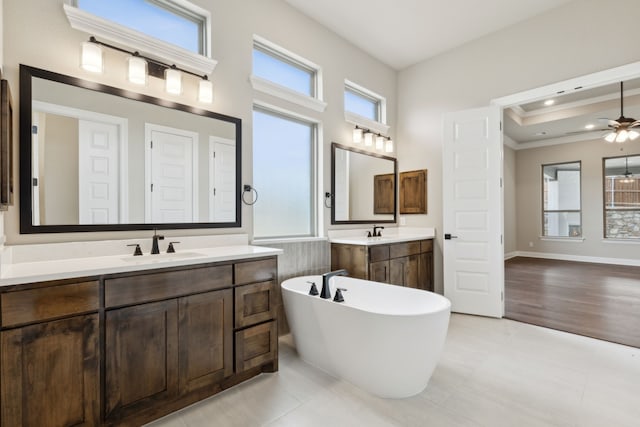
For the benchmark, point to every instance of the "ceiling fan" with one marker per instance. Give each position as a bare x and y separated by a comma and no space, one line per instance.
622,128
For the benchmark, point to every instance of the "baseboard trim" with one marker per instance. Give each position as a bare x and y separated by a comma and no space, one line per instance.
577,258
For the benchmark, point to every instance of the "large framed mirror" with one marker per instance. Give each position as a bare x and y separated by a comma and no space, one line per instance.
99,158
363,186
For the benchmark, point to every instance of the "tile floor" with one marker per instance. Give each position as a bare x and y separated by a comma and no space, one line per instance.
492,373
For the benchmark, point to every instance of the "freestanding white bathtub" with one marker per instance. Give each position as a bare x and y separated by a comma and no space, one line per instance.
385,339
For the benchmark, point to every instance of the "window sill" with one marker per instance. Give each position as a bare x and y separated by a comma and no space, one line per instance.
364,122
287,240
135,40
270,88
622,241
563,239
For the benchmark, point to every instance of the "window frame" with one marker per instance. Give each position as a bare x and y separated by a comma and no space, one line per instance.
604,202
380,125
545,211
316,163
121,35
260,84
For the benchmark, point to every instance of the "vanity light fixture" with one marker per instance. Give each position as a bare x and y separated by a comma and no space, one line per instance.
140,67
368,139
357,135
137,69
173,80
388,147
91,57
380,142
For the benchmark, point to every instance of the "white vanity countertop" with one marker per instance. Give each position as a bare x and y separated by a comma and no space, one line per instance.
389,235
44,270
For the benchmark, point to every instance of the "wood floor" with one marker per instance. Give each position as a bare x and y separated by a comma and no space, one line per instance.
595,300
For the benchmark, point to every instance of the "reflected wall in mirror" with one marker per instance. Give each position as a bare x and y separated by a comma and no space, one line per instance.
363,186
98,158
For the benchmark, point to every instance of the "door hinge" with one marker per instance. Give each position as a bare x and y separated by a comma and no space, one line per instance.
34,130
151,143
152,188
214,191
34,181
500,125
500,182
214,154
501,239
501,295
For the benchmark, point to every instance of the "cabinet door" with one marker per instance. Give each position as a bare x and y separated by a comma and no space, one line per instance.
205,333
426,271
353,258
50,374
141,357
404,271
379,271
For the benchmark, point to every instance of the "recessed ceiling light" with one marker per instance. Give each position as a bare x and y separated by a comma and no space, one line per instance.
590,126
540,133
549,102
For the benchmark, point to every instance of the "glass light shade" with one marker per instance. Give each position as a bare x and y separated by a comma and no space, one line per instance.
173,81
622,136
633,135
137,70
357,136
368,139
379,142
91,58
389,146
205,91
610,137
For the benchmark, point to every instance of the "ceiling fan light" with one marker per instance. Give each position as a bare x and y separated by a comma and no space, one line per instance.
622,136
633,135
610,137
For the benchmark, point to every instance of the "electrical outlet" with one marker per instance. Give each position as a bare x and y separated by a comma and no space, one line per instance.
530,244
403,221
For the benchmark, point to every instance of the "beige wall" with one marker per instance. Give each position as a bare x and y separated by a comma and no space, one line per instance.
510,219
529,199
55,46
566,42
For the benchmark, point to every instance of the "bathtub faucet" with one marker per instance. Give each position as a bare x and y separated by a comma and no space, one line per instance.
326,292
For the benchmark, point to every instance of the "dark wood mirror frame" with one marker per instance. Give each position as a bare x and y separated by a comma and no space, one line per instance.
26,224
6,143
335,146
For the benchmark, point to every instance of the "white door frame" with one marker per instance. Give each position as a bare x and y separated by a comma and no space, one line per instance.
150,127
123,148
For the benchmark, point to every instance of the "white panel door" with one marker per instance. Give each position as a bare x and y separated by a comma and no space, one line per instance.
171,175
98,154
473,254
341,192
222,180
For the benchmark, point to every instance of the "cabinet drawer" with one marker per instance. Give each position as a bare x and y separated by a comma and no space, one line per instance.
426,246
35,305
378,253
255,303
398,250
157,286
255,271
256,346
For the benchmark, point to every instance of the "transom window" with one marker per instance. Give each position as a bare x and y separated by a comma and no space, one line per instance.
363,102
622,197
168,20
561,216
284,175
284,68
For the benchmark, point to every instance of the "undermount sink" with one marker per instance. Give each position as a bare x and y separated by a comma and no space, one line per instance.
161,257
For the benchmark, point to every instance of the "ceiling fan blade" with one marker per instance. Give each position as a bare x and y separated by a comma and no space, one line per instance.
578,132
612,123
635,124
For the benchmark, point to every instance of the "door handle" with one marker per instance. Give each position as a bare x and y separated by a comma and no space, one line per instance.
448,236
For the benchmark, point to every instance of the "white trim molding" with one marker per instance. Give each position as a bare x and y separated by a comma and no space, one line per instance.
562,239
580,258
135,40
268,87
361,121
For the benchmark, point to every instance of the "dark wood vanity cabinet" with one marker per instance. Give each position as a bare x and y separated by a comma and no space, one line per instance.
50,356
162,339
406,264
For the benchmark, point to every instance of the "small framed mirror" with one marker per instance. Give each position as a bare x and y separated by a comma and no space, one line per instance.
363,186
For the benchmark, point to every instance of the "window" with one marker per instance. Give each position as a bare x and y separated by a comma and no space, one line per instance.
561,216
166,20
364,103
284,175
622,197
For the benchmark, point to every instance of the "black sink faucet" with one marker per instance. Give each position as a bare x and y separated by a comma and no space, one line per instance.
154,245
326,292
376,232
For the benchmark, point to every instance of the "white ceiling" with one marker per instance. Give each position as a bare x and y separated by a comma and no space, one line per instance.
401,33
